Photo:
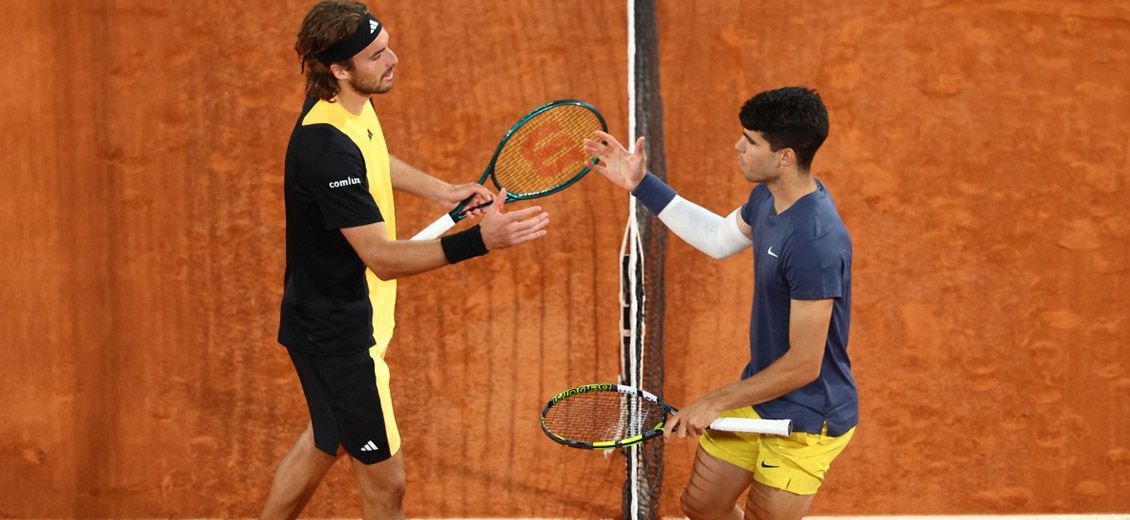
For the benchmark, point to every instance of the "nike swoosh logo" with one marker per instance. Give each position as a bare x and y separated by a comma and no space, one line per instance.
771,253
764,465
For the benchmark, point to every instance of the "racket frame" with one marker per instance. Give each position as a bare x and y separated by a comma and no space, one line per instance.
731,424
611,444
584,171
455,215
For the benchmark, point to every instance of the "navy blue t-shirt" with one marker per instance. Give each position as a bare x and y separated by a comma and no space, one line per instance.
802,254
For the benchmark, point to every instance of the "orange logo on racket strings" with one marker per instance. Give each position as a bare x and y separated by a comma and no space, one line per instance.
551,151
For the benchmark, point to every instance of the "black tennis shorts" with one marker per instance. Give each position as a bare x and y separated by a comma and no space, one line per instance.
349,404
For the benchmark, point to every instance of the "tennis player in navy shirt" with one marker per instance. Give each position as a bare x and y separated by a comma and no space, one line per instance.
798,329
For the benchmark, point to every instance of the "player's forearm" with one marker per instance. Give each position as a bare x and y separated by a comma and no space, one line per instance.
408,178
392,259
799,366
719,237
400,258
781,377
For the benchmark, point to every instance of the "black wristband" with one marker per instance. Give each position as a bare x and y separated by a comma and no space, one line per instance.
463,245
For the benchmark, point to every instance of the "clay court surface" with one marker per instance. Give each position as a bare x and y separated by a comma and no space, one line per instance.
978,154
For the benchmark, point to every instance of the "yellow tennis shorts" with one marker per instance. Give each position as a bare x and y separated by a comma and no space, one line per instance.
796,463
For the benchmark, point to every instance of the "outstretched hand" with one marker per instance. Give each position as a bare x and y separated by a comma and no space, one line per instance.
625,168
501,230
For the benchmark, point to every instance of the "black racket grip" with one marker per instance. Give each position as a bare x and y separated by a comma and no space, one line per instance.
480,206
460,211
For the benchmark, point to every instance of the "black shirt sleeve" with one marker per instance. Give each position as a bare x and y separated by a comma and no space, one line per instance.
332,170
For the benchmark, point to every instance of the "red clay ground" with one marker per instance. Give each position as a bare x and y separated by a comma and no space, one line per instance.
978,154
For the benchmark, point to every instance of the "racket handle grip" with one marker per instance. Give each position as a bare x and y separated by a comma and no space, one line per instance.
480,206
435,229
764,426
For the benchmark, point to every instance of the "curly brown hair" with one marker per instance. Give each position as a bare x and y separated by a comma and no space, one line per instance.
325,24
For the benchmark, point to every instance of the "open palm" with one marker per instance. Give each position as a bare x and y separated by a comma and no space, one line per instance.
625,168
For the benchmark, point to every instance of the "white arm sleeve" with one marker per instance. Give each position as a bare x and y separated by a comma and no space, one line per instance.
716,236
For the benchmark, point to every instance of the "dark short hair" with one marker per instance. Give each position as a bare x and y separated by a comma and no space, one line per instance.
789,117
324,25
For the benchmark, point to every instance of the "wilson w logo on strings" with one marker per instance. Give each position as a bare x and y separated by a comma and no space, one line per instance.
551,151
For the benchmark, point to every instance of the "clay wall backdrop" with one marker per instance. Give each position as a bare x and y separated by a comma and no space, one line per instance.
978,154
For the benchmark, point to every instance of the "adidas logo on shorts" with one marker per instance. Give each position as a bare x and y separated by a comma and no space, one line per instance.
369,446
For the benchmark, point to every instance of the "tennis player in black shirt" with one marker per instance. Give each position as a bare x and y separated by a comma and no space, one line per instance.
343,259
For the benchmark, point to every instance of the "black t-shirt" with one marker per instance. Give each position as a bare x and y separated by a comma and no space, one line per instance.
325,307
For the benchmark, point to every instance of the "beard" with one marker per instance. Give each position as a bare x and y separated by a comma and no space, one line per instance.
369,88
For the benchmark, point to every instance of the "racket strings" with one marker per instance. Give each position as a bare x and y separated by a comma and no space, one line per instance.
546,152
602,416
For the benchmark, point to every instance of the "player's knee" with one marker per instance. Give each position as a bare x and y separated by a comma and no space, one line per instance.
386,490
389,499
389,493
697,508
